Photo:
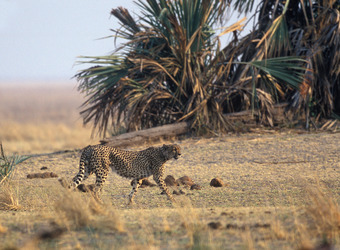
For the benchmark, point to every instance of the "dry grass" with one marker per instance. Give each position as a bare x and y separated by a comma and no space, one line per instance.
8,197
324,217
72,211
76,211
272,200
2,229
41,118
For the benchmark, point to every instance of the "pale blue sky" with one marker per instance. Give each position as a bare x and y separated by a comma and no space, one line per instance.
41,39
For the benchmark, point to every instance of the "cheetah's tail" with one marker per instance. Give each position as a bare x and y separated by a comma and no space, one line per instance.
80,176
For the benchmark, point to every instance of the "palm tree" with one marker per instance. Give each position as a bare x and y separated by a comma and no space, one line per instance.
307,28
172,68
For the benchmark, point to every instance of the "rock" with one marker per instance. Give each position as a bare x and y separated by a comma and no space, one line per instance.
181,192
185,180
53,175
52,233
145,183
86,188
63,182
43,168
215,225
216,182
261,225
235,227
195,187
170,181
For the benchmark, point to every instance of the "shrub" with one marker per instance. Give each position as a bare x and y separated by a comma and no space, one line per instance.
7,164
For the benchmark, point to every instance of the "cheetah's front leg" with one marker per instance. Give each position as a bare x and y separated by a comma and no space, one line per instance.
135,185
160,182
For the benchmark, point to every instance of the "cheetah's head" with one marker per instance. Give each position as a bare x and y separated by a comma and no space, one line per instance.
171,151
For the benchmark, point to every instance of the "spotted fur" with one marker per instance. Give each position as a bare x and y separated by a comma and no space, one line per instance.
134,165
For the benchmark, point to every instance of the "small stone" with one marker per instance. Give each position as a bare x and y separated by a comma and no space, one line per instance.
216,182
185,180
85,188
195,187
82,188
170,181
234,226
260,225
215,225
147,183
53,175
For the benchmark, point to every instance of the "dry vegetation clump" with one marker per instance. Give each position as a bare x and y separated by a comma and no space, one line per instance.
75,211
72,211
8,197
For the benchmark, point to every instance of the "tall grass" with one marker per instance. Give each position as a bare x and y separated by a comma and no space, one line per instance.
316,225
197,232
324,212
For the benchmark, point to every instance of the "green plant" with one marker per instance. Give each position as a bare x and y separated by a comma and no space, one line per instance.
7,164
172,68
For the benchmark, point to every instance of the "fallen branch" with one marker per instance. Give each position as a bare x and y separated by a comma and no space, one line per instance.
151,134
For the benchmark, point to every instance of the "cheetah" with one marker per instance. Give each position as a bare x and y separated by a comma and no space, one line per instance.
135,165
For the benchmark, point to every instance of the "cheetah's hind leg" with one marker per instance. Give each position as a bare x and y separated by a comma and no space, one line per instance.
135,185
101,174
79,178
160,182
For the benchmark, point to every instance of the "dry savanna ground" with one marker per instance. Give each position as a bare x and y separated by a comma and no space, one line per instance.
282,189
